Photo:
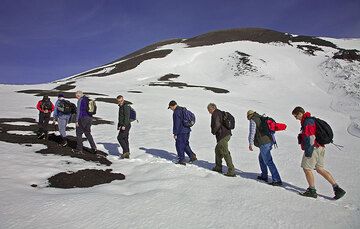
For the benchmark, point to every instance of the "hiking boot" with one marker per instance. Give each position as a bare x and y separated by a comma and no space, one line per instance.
230,174
262,178
125,155
339,192
276,183
216,169
193,158
310,192
180,162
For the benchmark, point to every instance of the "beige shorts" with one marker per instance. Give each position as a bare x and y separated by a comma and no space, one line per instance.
315,161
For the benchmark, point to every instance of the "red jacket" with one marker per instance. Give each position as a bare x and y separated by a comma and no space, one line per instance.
307,135
38,106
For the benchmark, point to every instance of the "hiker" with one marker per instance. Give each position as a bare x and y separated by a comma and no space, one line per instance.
265,143
124,126
62,114
223,136
181,134
83,123
45,107
314,153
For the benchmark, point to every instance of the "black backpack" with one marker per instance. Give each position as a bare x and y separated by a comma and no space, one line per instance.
66,107
228,120
264,127
324,134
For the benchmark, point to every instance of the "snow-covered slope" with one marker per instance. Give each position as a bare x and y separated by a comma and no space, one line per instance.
269,77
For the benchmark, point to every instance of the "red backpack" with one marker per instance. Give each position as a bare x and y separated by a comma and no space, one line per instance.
269,126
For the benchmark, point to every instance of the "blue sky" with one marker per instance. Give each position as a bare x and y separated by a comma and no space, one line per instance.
45,40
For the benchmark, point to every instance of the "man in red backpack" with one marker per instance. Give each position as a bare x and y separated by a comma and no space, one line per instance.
314,153
264,143
45,107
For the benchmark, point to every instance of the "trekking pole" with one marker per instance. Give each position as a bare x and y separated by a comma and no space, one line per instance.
339,147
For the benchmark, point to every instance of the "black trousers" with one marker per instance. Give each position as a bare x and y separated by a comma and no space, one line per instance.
123,138
43,123
84,128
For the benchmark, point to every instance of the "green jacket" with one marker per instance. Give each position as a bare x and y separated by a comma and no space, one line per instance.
124,115
260,138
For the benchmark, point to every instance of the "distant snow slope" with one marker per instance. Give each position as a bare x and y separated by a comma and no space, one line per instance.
159,194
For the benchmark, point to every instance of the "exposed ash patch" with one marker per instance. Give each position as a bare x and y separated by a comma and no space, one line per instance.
110,100
309,49
184,85
127,64
252,34
240,63
100,121
168,77
136,92
83,178
148,48
347,54
54,93
53,141
243,64
65,87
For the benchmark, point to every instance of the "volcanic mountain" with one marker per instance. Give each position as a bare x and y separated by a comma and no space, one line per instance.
44,185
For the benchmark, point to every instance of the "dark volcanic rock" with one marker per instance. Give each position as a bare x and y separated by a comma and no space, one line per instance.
350,55
183,85
66,87
128,64
54,93
53,141
247,34
111,100
84,178
168,77
252,34
309,49
147,49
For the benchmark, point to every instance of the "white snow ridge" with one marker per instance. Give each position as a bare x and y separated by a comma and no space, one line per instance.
246,69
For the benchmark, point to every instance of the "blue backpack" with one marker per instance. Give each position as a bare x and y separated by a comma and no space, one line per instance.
132,114
188,117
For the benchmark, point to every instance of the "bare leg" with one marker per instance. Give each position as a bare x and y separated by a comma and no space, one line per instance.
309,177
326,175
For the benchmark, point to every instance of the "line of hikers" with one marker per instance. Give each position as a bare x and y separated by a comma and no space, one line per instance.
315,133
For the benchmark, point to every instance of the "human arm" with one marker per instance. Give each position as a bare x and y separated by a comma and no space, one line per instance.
252,132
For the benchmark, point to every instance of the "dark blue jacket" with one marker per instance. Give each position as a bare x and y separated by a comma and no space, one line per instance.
178,126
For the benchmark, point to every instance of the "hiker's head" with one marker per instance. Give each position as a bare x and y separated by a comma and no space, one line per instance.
120,99
250,114
298,112
45,97
61,96
211,107
79,94
172,105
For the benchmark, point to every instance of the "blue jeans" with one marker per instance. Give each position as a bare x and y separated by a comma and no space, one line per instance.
182,146
62,123
265,161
